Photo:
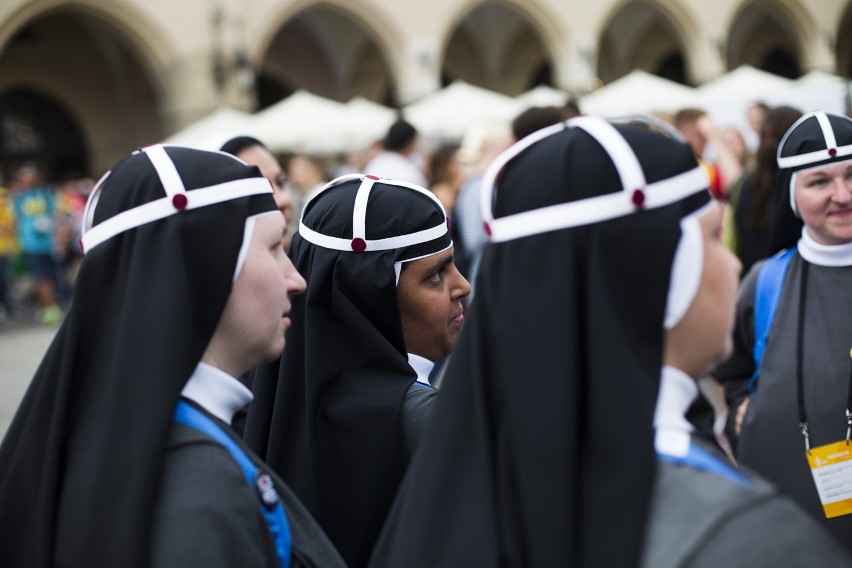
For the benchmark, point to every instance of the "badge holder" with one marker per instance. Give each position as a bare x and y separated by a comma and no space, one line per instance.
831,464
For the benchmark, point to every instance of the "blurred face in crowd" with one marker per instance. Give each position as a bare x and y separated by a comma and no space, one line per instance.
304,174
824,200
733,140
28,176
430,294
271,170
694,137
755,116
251,329
704,336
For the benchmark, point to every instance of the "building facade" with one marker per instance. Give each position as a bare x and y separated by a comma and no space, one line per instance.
84,81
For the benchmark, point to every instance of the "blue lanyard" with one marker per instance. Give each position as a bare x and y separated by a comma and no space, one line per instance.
697,458
270,505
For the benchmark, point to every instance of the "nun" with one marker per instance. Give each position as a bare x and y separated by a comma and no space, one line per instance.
342,416
560,437
121,452
789,380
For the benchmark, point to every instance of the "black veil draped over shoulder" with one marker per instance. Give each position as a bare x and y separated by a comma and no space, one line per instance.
80,464
541,449
327,419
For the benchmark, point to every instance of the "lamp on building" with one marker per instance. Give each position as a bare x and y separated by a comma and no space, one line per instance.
243,72
226,67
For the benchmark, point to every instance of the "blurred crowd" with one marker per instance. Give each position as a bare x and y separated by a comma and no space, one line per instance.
40,218
39,244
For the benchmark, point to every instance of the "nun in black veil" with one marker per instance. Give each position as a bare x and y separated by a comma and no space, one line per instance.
341,417
560,438
121,453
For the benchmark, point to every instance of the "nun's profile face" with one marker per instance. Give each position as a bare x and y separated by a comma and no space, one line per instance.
704,336
251,328
430,293
271,170
824,200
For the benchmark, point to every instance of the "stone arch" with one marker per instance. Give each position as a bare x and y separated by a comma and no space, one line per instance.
35,127
657,37
96,64
843,44
336,49
769,35
507,46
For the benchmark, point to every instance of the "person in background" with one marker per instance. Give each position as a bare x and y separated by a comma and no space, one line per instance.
446,175
548,449
789,380
306,176
35,211
253,152
755,115
121,453
8,249
696,127
754,209
468,218
70,202
396,160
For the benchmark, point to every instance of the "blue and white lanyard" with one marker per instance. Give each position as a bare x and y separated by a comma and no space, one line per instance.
270,505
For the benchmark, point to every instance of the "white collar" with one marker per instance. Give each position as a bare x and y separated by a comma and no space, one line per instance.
824,255
677,391
217,392
422,366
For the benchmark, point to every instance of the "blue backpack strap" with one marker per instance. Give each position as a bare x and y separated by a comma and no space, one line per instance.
270,505
767,294
703,460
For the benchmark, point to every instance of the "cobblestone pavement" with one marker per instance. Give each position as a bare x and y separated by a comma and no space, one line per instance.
22,347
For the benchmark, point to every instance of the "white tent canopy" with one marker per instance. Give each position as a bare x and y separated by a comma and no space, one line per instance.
638,92
365,123
743,84
727,98
224,119
301,122
820,90
450,112
541,96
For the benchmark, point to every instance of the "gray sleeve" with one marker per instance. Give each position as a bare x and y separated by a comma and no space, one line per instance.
207,515
773,533
416,412
734,373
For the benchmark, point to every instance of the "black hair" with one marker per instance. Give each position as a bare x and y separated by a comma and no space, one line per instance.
536,118
399,135
236,145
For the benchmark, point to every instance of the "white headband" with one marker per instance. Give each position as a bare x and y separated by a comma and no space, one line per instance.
636,193
831,148
176,200
247,234
359,242
687,268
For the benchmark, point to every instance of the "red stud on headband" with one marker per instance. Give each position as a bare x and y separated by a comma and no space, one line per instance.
358,245
179,200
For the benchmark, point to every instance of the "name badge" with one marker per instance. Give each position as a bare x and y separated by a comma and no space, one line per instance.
265,488
831,467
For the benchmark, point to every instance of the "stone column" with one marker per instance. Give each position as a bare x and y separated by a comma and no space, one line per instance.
420,69
706,56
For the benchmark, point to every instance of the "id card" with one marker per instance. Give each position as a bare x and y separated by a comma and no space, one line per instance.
831,466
